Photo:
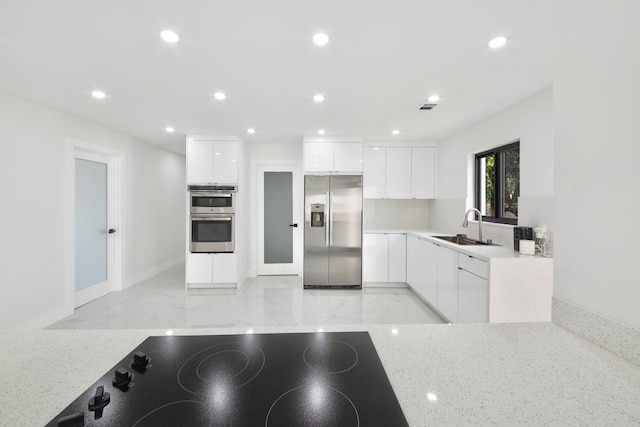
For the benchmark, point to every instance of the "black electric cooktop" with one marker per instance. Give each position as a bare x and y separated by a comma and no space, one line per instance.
298,379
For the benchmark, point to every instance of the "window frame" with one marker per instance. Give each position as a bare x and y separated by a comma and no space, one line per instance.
498,152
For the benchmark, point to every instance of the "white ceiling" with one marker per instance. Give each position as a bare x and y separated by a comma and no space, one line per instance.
383,61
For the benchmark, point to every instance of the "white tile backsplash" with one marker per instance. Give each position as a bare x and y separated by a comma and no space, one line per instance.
396,213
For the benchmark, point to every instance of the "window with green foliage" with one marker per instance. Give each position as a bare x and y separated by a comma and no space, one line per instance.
498,183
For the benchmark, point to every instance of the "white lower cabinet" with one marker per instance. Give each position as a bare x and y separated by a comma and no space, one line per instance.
212,268
422,268
473,290
397,257
448,283
384,257
375,257
473,298
416,253
454,283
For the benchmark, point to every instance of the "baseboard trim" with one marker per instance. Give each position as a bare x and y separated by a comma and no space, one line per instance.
385,285
153,271
47,319
611,334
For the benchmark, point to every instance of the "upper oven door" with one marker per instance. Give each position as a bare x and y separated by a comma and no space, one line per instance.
212,202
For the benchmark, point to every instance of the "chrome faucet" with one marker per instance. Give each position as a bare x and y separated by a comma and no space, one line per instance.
465,223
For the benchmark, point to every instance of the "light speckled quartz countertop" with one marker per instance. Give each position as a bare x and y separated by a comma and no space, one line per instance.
482,252
534,374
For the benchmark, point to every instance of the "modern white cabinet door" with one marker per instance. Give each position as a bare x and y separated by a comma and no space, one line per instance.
413,261
397,257
347,157
417,267
318,156
224,268
423,161
431,272
212,268
199,268
225,162
375,257
398,173
212,162
448,283
373,177
473,298
199,161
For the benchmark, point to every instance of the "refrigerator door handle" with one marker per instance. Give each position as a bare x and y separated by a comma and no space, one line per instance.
331,218
327,221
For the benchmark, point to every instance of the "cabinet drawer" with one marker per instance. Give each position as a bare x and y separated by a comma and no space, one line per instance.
473,265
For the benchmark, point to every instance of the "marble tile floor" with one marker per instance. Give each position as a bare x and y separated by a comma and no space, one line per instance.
162,302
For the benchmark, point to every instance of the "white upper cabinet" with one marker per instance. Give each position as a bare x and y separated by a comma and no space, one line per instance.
225,162
347,157
211,161
423,168
333,156
318,156
373,181
399,172
199,161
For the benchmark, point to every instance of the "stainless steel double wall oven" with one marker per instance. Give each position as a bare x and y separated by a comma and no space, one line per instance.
213,209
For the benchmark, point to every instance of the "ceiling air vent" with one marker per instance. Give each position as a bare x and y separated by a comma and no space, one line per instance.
427,107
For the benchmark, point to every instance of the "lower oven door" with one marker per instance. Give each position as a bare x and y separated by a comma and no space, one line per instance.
212,233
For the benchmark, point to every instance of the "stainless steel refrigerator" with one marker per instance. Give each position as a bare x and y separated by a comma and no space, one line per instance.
333,231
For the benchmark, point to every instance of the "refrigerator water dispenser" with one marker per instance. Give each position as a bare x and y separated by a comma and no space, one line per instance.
317,215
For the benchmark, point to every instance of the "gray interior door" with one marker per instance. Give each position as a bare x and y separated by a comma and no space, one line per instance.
278,217
91,224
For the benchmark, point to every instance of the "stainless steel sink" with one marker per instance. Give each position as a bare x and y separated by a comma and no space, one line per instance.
462,240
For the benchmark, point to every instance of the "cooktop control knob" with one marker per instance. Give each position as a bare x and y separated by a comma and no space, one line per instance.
73,420
122,379
99,401
140,361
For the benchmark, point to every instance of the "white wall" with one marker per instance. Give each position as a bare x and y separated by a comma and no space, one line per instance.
597,152
530,121
32,192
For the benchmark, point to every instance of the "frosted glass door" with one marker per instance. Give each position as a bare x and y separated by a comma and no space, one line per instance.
278,217
91,223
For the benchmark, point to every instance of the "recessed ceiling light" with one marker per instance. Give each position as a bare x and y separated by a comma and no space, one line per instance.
251,130
434,98
321,132
318,97
219,96
98,94
432,397
169,129
395,132
497,42
169,36
320,39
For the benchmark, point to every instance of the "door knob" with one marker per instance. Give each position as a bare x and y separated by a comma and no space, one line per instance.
293,225
112,230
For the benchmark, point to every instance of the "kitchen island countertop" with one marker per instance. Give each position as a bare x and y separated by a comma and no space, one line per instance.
444,375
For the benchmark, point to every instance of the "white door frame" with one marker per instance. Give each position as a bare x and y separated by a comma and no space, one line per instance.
295,167
115,201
